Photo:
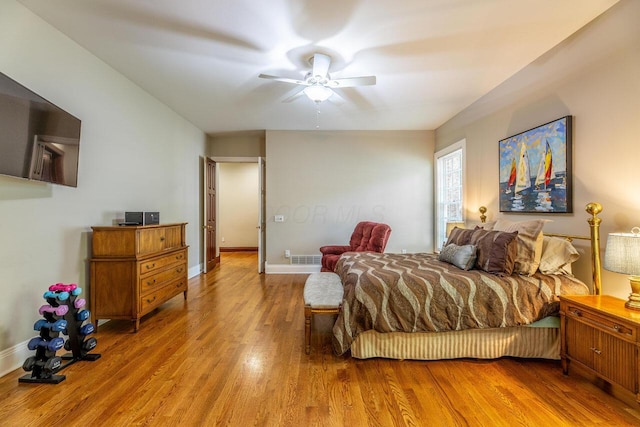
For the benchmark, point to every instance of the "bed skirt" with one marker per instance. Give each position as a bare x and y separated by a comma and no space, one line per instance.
522,341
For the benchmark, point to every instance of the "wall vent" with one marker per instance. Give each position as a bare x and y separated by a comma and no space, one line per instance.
306,259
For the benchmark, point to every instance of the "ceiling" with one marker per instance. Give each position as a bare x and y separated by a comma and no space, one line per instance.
432,58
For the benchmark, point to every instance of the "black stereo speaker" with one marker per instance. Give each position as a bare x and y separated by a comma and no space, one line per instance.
141,218
133,218
151,218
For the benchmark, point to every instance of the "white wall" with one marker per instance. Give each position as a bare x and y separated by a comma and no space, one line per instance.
135,154
594,76
237,192
325,182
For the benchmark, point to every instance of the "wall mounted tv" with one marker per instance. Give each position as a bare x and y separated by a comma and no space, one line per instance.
38,140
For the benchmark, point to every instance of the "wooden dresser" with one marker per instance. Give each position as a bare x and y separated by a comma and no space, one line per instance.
601,335
134,269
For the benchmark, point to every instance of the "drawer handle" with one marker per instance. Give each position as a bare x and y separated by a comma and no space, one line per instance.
162,239
616,327
150,266
576,313
151,282
179,256
151,300
595,350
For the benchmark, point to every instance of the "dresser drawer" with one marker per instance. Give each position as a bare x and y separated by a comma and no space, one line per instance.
136,241
157,239
153,299
155,264
151,282
602,322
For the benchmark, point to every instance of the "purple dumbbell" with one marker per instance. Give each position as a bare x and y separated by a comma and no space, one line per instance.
58,311
79,303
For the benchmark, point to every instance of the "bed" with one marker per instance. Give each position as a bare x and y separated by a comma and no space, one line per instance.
442,306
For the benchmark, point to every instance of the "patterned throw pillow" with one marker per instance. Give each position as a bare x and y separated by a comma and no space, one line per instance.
496,251
529,248
459,236
463,257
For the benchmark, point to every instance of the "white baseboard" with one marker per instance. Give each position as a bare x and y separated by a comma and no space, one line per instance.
13,357
195,271
290,269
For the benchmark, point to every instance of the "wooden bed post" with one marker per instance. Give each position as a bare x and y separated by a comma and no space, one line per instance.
594,209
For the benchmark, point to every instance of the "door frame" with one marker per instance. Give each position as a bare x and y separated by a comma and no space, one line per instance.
209,263
261,226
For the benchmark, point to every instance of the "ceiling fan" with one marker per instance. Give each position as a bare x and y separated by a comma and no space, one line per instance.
318,83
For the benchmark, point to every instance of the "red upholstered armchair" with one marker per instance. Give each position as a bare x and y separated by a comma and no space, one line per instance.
367,237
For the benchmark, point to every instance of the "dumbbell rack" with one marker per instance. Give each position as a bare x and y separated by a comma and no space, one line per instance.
45,364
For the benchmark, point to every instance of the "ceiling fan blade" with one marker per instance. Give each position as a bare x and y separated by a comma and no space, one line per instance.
336,99
352,81
321,64
295,96
283,79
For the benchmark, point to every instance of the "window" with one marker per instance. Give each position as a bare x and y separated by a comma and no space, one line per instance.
449,188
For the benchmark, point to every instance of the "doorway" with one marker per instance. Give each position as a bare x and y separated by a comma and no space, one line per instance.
238,206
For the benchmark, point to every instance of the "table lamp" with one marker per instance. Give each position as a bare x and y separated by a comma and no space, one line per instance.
622,255
451,225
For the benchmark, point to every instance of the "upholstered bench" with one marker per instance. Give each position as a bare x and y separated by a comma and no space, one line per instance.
322,295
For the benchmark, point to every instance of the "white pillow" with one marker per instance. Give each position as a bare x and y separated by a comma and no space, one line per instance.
557,256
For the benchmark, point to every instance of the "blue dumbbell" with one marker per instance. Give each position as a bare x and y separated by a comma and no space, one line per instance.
60,296
76,291
54,344
57,326
87,329
82,315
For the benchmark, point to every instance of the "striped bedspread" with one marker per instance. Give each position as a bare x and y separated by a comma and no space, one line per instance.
417,293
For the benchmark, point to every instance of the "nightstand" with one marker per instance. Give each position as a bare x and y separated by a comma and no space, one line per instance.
600,335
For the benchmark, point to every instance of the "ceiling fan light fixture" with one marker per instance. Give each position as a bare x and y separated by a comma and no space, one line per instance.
317,93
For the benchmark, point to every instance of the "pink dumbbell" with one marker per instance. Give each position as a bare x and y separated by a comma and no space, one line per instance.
58,311
61,287
79,303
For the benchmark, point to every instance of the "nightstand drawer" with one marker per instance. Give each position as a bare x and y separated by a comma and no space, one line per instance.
599,334
602,322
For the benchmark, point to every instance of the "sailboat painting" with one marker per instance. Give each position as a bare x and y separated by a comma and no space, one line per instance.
535,169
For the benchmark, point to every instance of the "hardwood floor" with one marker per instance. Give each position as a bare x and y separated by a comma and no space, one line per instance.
233,355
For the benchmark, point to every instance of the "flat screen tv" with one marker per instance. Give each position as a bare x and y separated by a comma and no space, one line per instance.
38,140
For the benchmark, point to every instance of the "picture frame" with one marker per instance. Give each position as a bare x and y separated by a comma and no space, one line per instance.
535,169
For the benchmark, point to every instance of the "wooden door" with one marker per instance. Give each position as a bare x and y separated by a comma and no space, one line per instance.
210,215
262,222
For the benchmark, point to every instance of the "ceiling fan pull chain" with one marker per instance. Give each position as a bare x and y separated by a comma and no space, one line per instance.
317,116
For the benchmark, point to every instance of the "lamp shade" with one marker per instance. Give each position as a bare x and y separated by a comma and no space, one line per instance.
622,254
317,93
451,225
